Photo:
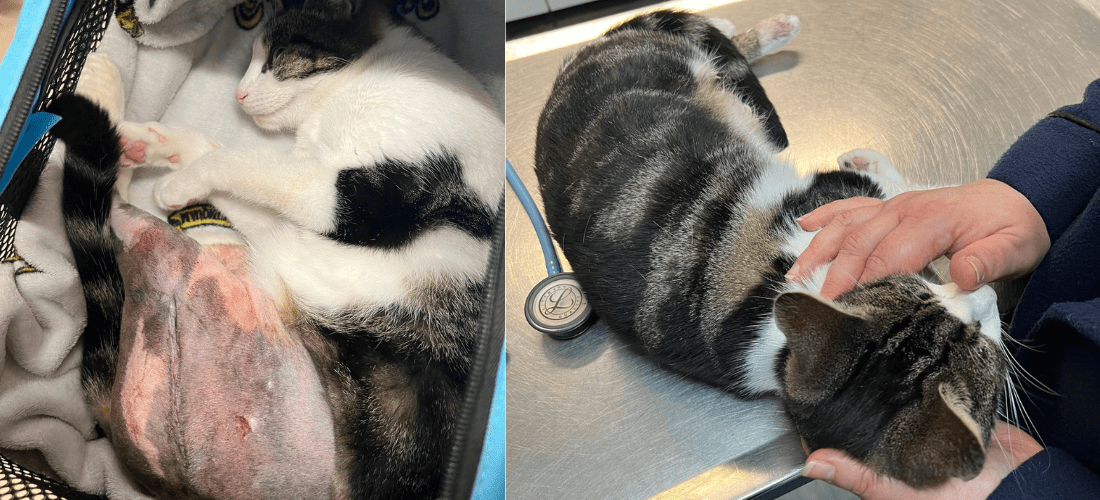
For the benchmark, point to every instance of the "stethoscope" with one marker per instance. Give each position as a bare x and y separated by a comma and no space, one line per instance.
556,306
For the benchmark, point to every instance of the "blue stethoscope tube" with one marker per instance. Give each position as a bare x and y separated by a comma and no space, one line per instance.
553,266
556,306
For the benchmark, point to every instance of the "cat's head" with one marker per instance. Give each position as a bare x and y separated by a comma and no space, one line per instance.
905,375
302,50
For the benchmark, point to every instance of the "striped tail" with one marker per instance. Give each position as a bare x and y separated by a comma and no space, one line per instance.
91,166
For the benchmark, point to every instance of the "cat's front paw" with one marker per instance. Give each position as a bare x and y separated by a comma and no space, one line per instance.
158,145
179,189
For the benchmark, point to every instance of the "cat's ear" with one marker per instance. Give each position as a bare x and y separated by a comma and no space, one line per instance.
818,337
942,442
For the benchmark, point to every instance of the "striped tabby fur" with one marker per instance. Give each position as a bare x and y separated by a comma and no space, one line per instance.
656,158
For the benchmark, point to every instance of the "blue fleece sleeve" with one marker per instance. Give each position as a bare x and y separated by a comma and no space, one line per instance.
1049,475
1056,163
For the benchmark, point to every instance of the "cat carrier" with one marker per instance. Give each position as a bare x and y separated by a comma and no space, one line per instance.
176,58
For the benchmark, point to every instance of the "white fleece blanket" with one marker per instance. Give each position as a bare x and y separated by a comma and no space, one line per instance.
182,71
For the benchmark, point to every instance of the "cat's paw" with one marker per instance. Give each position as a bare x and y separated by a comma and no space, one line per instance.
865,160
878,168
774,32
159,145
101,82
179,189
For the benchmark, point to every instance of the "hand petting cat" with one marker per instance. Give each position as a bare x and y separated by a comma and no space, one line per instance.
1008,448
989,230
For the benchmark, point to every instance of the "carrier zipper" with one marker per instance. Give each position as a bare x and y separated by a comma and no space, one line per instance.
461,468
24,98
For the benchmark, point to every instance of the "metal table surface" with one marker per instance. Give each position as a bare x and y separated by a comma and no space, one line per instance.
941,87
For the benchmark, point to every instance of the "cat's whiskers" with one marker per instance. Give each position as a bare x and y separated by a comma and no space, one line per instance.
1005,447
1012,416
1022,374
1014,401
855,281
1013,406
1014,411
1019,343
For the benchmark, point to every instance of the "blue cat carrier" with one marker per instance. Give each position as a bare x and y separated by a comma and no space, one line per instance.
47,440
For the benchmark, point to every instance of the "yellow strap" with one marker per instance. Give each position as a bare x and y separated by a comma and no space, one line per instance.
197,215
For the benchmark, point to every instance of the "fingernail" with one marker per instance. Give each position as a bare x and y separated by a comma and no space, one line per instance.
819,470
974,263
792,273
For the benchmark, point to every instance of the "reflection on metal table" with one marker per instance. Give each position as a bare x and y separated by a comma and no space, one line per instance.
940,87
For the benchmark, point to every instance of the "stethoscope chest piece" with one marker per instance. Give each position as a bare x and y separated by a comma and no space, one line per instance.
557,307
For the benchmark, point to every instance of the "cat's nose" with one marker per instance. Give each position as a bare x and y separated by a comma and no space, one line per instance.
983,303
241,95
978,306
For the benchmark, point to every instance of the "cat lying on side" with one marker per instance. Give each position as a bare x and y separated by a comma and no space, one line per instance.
365,253
656,159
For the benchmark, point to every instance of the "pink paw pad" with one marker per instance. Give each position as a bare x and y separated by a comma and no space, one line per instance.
777,29
133,151
174,159
160,138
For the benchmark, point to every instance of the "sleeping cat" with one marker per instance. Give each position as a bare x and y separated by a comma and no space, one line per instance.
656,159
365,248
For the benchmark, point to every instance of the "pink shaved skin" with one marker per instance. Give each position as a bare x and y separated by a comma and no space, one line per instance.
218,399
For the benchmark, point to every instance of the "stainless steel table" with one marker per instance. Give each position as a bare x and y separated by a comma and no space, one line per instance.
941,87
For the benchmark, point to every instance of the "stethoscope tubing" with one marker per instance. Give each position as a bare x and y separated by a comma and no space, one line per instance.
553,266
556,305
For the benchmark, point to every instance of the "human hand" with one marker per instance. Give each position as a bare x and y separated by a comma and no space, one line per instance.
1008,448
990,231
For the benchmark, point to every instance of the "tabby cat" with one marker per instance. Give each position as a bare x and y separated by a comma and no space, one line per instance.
370,240
656,159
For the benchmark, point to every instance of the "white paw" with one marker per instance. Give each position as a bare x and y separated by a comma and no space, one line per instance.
775,32
158,145
179,189
724,25
865,160
101,83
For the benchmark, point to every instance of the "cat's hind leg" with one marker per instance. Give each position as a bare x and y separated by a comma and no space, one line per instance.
767,36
